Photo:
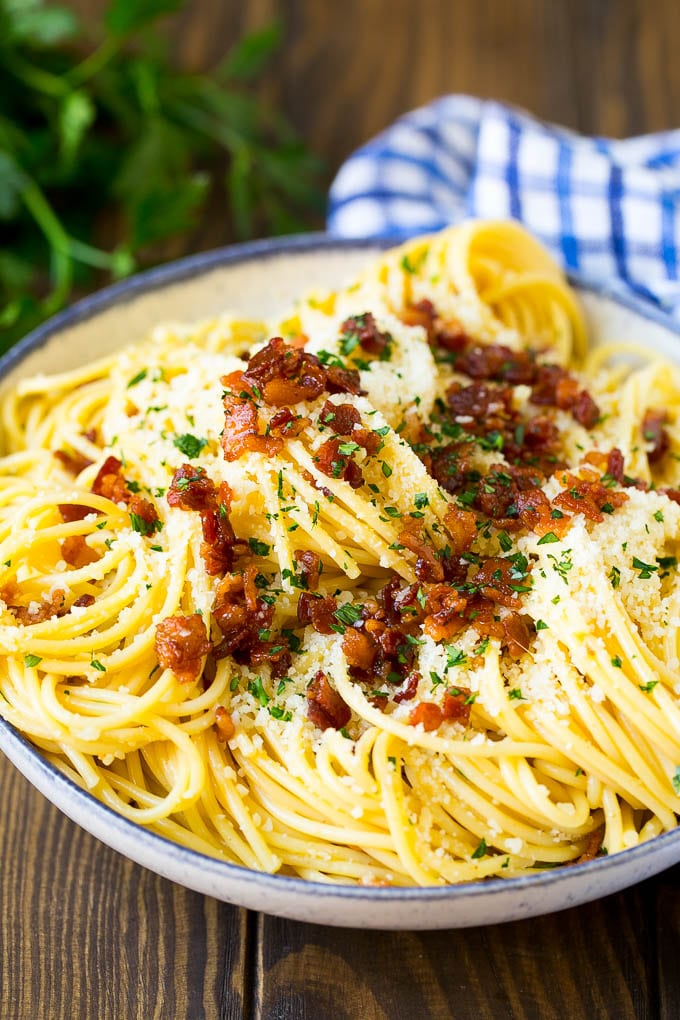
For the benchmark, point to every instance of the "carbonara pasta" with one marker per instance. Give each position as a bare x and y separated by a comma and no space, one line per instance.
385,591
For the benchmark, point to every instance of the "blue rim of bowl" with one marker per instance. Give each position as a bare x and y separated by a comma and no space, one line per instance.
177,272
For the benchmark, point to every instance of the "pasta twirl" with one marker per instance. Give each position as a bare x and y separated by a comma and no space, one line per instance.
390,598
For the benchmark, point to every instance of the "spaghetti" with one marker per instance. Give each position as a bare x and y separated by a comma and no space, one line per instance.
383,592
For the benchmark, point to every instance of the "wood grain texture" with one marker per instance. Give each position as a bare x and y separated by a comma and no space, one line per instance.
86,934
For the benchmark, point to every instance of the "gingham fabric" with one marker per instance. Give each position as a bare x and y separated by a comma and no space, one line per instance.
609,210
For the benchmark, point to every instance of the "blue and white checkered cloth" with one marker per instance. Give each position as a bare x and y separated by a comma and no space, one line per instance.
609,210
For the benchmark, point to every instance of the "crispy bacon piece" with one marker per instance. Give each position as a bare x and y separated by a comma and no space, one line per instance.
286,425
428,715
360,649
76,551
495,580
448,466
428,567
410,688
53,605
335,464
83,602
444,608
284,374
145,511
325,707
516,634
181,642
343,380
309,567
241,429
461,526
654,432
555,387
534,511
610,463
239,625
497,362
73,462
487,407
422,313
365,329
75,511
224,725
110,482
587,497
317,611
456,705
340,418
192,489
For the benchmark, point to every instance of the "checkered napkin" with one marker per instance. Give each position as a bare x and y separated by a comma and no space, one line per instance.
609,210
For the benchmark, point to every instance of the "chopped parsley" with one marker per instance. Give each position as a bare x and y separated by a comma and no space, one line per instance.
137,378
480,851
32,660
189,444
258,548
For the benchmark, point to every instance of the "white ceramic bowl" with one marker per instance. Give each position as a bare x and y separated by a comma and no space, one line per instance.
260,279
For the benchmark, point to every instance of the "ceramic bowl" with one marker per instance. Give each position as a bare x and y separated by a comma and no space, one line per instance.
260,279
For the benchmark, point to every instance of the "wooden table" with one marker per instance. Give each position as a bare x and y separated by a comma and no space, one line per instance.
86,934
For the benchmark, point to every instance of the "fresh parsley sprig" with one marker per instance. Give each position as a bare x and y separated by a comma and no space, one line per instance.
108,153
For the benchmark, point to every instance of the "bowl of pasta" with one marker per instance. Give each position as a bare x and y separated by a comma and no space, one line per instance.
340,582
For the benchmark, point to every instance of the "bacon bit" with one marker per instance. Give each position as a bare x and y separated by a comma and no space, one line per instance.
73,462
494,579
455,705
341,418
534,510
610,463
250,589
516,634
241,434
587,497
585,410
428,567
317,611
448,467
422,313
181,642
444,607
487,406
365,329
145,510
76,551
55,605
338,465
461,526
497,362
285,374
428,715
325,707
654,432
71,512
673,494
410,689
83,602
110,482
224,725
360,649
286,425
267,653
239,625
554,386
592,847
191,489
343,380
309,567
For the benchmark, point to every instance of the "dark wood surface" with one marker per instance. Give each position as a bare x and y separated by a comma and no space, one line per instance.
86,934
